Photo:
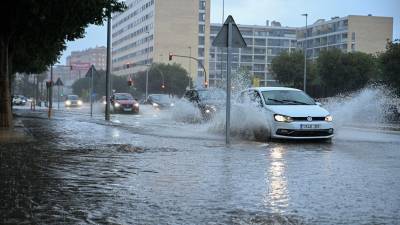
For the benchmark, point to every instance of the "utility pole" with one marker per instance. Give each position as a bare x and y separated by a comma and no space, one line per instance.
50,92
147,66
108,68
190,64
305,55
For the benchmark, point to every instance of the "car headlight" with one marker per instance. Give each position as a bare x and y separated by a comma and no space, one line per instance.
104,102
155,104
329,118
68,102
282,118
136,104
80,102
172,104
117,104
211,108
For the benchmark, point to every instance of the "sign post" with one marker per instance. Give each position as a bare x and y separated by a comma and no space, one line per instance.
230,37
58,84
90,74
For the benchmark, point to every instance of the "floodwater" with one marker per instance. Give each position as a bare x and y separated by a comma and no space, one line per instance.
152,168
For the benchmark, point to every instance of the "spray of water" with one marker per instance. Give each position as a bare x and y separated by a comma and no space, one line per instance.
370,106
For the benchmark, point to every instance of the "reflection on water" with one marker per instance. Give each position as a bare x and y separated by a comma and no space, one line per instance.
276,197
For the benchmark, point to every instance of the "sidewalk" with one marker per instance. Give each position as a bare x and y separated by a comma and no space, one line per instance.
384,127
17,134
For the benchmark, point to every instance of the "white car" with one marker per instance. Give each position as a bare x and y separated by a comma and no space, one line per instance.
291,113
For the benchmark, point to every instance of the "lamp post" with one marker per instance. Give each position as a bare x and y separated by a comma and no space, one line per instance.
108,68
305,54
147,62
190,64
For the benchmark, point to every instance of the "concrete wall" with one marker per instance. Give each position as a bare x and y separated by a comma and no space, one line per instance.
371,33
176,29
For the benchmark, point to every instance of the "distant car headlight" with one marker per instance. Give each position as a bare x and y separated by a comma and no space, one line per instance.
155,104
80,102
117,104
68,102
136,104
210,108
104,102
329,118
282,118
172,104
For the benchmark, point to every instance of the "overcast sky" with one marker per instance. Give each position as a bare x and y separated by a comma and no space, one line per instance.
256,12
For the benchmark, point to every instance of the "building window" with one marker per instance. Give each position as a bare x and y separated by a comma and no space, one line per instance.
201,40
202,17
201,52
353,36
202,29
202,5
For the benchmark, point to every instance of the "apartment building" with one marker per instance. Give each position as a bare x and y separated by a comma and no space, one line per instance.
92,56
263,44
149,30
367,34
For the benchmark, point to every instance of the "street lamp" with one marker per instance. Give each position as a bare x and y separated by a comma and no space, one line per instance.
305,54
147,62
190,64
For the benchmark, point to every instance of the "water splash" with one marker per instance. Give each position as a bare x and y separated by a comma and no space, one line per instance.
371,106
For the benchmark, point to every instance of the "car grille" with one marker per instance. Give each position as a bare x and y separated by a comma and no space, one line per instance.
127,106
304,133
305,118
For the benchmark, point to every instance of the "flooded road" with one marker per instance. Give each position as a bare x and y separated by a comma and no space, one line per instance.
151,169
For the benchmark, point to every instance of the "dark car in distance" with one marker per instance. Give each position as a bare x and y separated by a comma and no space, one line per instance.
208,100
160,101
124,103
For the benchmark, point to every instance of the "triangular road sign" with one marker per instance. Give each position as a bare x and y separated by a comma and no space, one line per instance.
59,82
89,72
222,37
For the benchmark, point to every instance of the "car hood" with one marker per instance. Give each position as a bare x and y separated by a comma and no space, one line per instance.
298,110
213,102
126,101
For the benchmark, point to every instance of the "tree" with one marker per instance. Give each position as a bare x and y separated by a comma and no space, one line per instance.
289,69
344,72
390,65
119,84
34,33
175,79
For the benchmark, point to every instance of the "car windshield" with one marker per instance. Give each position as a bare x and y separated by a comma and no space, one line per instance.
72,97
161,98
124,97
211,94
287,97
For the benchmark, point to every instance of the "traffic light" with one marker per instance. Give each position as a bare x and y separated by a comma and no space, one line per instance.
170,56
130,82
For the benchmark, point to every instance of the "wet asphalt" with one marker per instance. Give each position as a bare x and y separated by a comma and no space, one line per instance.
152,169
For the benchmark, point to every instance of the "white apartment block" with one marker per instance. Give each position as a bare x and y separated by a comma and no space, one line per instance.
149,30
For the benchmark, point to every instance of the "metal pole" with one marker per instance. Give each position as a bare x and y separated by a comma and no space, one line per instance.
50,92
91,92
190,64
58,97
108,68
147,62
305,57
223,12
228,87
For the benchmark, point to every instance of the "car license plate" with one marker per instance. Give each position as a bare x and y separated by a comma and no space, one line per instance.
127,109
310,126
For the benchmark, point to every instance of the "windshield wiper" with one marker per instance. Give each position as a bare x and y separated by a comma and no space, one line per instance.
287,101
276,100
296,102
